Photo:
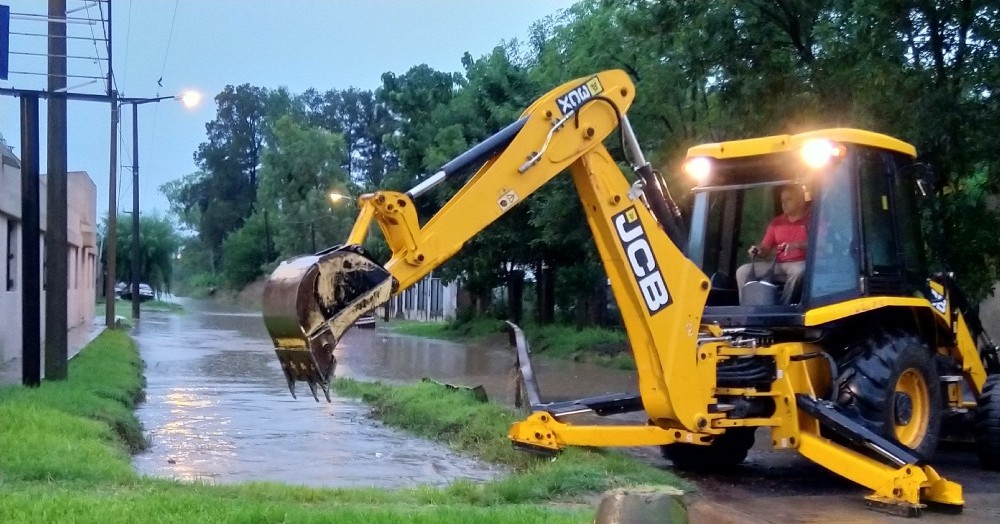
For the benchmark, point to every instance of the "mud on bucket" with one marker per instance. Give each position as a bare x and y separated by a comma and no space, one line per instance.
311,301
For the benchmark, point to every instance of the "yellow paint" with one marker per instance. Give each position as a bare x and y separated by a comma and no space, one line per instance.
911,432
848,308
783,143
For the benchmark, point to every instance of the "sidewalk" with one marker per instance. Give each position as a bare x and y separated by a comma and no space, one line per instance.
77,338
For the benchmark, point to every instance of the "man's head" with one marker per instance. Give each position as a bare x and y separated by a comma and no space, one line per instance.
793,201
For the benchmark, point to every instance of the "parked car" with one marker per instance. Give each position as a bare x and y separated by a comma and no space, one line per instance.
145,292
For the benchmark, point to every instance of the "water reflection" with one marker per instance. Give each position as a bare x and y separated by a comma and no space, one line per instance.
217,409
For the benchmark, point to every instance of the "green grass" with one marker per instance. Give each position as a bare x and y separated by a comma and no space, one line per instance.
160,305
65,457
456,417
606,347
149,305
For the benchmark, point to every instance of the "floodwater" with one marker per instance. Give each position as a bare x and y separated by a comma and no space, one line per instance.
218,409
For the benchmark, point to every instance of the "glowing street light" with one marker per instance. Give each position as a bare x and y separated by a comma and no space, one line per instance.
336,197
190,99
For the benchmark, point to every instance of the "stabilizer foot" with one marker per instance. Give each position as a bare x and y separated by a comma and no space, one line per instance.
894,507
535,450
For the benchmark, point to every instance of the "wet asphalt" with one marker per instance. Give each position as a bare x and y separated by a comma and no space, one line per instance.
218,411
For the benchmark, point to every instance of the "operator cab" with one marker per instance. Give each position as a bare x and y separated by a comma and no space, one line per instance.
861,218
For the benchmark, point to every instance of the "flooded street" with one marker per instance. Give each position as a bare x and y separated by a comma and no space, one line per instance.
389,357
218,410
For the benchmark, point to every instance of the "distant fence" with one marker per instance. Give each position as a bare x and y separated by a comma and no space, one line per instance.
429,299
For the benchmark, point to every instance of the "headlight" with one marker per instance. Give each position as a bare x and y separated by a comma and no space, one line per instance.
820,152
698,168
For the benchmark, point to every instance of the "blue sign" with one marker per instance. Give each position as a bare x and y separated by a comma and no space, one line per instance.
4,41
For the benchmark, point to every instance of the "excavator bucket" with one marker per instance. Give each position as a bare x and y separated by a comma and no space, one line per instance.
311,301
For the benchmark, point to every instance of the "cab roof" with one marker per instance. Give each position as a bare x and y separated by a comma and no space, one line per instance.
783,143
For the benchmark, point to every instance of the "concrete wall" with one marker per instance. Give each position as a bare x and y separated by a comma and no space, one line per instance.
989,313
81,232
82,252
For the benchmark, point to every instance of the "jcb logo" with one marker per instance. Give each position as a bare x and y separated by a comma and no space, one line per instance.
574,99
641,261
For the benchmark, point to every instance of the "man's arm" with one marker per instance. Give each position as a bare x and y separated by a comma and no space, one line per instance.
767,244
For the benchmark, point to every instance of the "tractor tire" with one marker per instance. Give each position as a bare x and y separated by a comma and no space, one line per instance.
987,424
891,386
725,452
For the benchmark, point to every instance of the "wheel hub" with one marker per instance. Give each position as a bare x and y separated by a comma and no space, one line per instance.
902,408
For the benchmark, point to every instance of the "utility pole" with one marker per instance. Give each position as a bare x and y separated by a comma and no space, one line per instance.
31,292
56,261
111,258
135,211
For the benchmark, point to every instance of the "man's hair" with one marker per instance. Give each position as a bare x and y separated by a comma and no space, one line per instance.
794,188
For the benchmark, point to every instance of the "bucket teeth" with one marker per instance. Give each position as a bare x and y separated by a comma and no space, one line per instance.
312,388
310,302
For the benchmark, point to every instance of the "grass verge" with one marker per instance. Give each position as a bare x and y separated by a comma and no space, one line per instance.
606,347
457,418
149,305
65,457
160,305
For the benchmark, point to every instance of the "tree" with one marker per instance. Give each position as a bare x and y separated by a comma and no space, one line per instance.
220,196
364,121
158,246
300,168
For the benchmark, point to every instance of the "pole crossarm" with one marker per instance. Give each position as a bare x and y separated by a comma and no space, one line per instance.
136,101
85,97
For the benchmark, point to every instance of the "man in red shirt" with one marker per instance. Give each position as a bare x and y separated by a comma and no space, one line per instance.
786,235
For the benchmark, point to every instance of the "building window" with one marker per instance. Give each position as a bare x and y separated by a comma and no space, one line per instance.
11,259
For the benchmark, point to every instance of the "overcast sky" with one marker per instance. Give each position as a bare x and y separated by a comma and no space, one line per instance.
207,44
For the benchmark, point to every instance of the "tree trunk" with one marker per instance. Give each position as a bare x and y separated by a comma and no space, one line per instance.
548,314
515,295
482,299
580,312
538,291
599,303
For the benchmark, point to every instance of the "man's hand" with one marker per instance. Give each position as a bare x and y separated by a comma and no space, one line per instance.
754,251
787,246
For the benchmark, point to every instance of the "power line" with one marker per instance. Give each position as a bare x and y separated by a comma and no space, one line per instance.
170,37
128,38
107,38
163,69
100,66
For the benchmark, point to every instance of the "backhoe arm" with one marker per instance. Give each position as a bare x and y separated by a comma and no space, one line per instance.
658,289
310,302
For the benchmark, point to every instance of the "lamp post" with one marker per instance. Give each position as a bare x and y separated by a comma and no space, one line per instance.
189,99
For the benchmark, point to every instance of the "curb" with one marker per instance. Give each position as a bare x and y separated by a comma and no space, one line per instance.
642,505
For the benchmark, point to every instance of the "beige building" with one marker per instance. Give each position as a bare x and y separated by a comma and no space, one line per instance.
83,268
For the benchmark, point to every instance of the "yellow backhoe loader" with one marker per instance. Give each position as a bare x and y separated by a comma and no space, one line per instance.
857,373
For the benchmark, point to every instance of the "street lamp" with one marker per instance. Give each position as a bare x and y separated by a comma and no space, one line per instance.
190,99
336,197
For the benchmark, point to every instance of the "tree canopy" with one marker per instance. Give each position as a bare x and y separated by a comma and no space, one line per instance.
922,70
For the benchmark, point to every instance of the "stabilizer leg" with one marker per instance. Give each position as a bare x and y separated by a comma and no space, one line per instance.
904,488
